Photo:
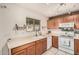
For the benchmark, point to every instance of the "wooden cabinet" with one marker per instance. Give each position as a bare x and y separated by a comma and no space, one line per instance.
34,48
31,50
51,24
56,24
24,49
76,20
22,52
68,19
39,50
44,44
55,41
41,46
76,46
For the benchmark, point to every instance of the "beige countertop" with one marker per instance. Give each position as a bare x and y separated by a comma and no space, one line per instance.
18,41
23,40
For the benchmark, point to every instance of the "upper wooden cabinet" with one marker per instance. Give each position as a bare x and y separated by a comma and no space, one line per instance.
68,19
50,24
55,41
76,20
53,23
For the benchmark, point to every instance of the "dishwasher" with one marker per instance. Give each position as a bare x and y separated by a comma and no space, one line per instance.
49,42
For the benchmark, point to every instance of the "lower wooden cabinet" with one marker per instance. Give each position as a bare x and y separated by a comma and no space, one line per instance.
39,47
22,52
33,48
76,46
44,44
55,41
24,49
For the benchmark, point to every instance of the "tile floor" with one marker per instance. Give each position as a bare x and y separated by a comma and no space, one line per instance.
54,51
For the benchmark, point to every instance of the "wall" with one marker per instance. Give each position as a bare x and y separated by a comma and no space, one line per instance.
16,15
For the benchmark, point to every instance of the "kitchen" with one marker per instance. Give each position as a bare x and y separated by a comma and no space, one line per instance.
39,29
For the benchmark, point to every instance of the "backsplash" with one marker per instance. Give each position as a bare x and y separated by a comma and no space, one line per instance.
21,33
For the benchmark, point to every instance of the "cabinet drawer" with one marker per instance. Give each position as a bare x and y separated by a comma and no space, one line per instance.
14,50
22,52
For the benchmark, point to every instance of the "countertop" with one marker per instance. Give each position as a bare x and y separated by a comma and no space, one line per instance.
15,42
18,41
22,40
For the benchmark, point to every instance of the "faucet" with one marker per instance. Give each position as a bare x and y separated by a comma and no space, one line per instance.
36,33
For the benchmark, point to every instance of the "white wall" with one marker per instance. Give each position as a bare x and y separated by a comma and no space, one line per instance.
15,15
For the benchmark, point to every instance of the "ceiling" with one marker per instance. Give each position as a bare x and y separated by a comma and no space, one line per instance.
50,9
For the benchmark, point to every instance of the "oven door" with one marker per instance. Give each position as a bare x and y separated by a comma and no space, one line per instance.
66,42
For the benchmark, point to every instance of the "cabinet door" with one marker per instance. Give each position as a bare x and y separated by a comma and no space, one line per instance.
55,41
69,19
49,24
22,52
76,46
76,20
39,49
31,50
44,46
55,24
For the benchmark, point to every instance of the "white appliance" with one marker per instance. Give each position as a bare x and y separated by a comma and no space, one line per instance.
66,38
49,42
66,44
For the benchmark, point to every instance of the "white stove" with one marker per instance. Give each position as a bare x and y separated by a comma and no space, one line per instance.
66,38
66,44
